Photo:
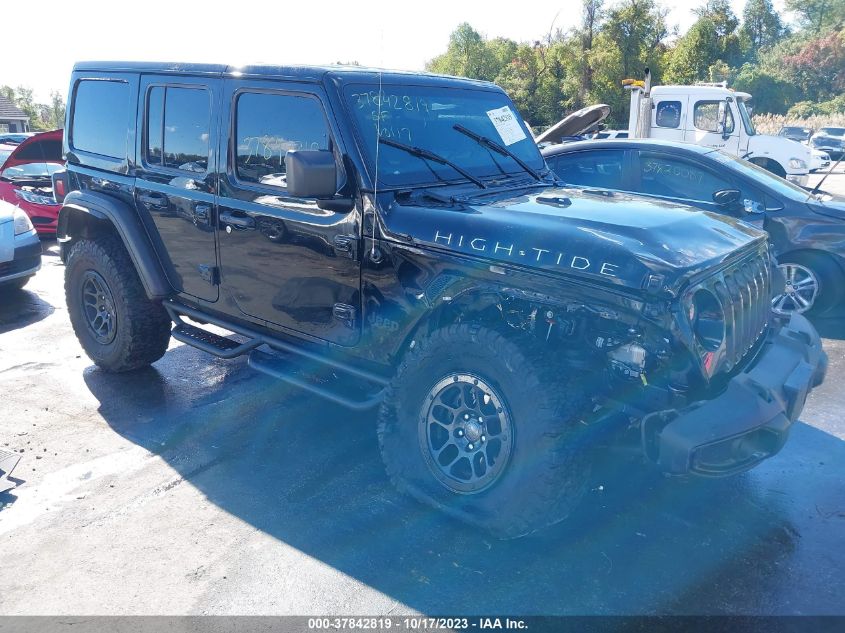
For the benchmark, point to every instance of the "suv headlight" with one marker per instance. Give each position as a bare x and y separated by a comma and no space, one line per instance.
22,223
797,163
707,319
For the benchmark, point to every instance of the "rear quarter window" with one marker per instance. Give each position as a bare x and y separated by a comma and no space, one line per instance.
100,117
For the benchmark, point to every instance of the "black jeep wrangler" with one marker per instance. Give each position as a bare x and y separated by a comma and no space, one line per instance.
396,240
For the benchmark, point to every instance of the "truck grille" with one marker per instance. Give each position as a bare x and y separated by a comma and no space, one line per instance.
744,290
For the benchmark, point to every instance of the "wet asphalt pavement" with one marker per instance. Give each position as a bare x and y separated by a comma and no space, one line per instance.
199,486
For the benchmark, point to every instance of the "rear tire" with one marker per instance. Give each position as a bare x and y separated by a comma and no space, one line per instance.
119,328
538,471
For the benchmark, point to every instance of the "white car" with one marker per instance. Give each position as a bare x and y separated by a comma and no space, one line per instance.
819,160
20,248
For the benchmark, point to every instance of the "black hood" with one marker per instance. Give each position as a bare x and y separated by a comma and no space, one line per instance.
604,236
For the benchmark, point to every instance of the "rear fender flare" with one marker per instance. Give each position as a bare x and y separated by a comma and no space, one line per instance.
83,210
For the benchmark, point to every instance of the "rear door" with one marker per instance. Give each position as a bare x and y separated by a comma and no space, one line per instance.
176,183
284,260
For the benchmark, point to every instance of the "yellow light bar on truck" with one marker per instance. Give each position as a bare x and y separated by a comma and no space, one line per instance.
639,83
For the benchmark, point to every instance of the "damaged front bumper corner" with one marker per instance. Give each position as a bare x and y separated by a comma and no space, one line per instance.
750,420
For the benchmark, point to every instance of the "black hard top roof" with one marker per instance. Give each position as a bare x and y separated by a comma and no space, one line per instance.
343,73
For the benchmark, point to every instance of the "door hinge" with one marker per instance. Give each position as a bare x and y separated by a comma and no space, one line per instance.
344,313
209,273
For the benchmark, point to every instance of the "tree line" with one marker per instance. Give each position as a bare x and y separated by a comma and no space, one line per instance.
797,70
42,116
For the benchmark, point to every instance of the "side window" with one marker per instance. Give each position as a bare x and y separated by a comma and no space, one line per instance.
178,124
601,168
666,175
668,114
267,126
706,116
100,117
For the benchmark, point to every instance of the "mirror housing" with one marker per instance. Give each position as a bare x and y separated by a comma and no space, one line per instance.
311,173
729,199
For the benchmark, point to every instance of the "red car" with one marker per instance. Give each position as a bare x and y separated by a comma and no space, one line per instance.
25,178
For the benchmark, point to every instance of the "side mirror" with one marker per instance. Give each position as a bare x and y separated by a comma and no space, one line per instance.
729,199
311,173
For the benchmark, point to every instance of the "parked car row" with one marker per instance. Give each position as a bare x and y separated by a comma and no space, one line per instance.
826,144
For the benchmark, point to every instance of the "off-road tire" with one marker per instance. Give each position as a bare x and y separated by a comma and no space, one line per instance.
549,465
142,327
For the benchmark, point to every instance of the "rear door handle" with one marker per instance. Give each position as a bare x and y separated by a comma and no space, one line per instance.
237,219
155,200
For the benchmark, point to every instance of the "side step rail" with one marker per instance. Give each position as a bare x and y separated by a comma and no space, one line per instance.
273,366
269,364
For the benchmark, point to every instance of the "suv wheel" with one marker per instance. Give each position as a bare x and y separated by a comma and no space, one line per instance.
812,285
117,325
474,425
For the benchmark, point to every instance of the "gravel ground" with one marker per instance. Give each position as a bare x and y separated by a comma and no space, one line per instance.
201,487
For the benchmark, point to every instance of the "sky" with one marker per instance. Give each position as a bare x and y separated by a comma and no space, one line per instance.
400,34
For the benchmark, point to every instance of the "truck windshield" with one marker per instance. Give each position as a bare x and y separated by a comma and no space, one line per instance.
423,117
745,115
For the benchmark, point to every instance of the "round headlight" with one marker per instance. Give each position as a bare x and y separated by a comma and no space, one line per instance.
707,320
22,222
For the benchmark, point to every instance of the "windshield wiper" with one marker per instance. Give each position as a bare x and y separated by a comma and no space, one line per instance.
436,158
499,149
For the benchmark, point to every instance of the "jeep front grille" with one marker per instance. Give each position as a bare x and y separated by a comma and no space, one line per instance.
744,290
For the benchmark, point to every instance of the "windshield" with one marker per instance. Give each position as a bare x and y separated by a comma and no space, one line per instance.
833,131
745,115
424,117
4,154
761,176
31,170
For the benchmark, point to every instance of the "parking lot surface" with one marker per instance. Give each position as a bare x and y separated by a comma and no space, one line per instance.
201,487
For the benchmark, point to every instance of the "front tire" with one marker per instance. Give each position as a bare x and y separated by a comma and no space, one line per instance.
813,285
475,425
119,328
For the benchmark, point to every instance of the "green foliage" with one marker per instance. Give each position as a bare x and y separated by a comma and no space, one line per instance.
42,117
818,15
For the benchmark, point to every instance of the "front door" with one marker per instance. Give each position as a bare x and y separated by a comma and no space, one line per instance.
284,260
177,178
705,127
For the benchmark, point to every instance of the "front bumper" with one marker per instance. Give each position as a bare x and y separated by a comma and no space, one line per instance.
26,260
750,420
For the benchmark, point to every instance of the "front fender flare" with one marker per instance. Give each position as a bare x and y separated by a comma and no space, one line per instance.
80,207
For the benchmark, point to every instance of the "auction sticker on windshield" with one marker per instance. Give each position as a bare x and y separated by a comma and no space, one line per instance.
507,125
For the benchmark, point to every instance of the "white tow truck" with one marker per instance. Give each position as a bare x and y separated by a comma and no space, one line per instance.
715,116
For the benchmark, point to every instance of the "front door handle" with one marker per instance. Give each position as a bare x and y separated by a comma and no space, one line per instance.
237,219
202,215
155,200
